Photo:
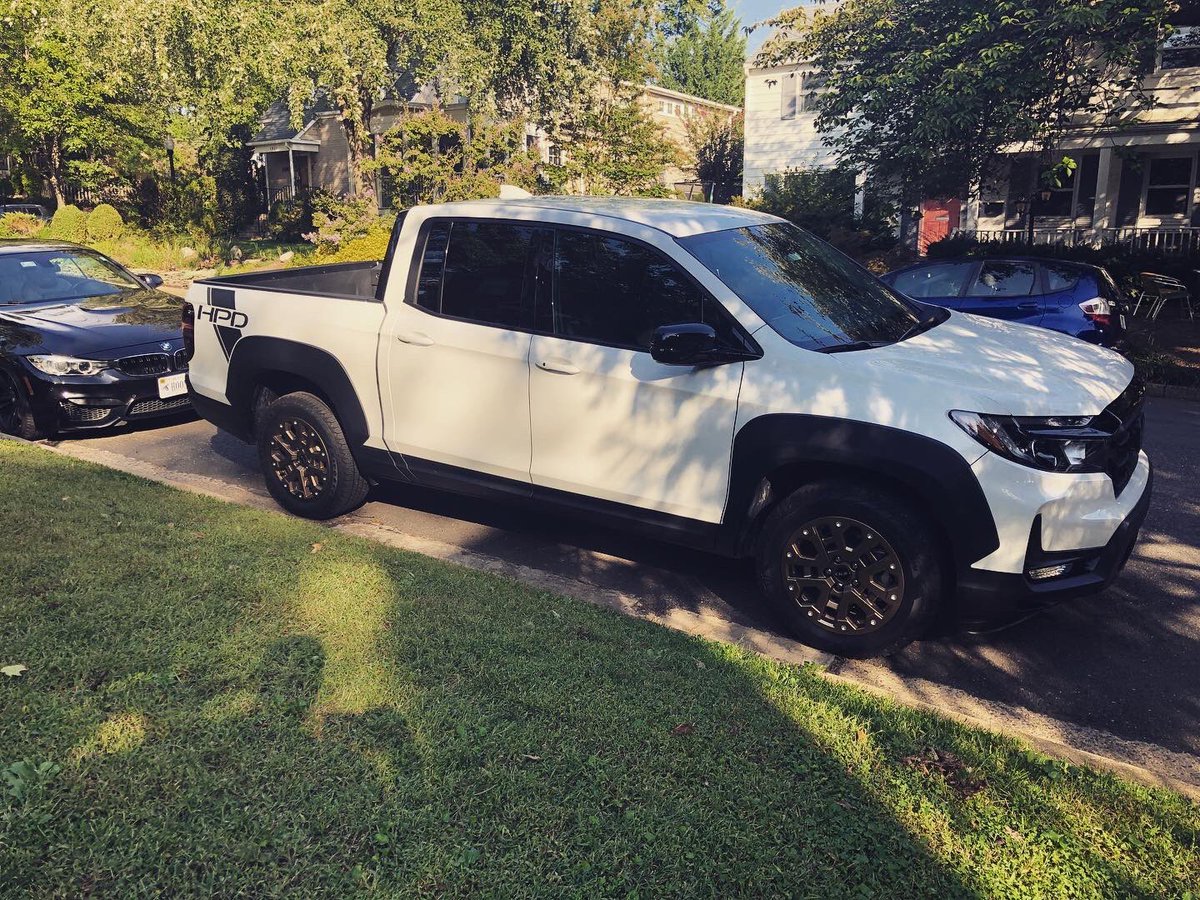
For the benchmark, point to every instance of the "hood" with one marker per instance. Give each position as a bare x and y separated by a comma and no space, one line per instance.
96,327
991,366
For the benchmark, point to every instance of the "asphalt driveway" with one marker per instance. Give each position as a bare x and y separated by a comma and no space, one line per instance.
1126,662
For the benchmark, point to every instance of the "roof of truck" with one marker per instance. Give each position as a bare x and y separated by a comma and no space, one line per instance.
678,218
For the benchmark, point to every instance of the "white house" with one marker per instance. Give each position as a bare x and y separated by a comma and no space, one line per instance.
1137,184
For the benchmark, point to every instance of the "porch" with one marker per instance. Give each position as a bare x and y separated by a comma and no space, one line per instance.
1165,240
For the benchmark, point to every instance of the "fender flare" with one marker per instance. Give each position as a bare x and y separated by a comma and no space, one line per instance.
255,355
919,465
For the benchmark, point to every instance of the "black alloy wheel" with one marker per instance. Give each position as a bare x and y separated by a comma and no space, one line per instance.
305,459
299,459
843,574
16,417
853,568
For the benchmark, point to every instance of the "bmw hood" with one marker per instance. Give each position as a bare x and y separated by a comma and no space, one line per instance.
990,366
95,327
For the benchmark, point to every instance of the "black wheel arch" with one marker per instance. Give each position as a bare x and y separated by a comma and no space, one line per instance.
775,454
260,364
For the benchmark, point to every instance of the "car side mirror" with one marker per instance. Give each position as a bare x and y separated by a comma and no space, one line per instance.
151,281
692,344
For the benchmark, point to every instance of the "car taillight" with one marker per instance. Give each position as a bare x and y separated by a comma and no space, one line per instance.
189,331
1098,310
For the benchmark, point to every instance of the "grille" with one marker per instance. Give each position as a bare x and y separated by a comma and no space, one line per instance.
1126,419
156,407
146,364
86,413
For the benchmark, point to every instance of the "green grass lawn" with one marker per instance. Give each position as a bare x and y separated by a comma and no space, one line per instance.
225,702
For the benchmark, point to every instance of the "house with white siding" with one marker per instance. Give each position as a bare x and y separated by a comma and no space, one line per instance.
1137,184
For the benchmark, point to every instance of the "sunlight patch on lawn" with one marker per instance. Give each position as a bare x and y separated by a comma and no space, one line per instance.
119,733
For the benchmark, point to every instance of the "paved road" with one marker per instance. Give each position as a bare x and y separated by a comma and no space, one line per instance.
1126,662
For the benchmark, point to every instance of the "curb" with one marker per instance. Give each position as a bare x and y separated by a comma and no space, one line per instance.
1173,391
1147,764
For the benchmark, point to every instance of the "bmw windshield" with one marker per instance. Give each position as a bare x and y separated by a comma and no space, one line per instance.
806,291
59,275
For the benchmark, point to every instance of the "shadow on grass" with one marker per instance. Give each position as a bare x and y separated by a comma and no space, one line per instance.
320,716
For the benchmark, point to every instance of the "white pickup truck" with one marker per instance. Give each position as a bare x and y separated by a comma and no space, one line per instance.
705,375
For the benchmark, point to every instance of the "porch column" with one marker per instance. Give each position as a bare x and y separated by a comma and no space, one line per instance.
1106,189
970,220
267,178
860,194
292,172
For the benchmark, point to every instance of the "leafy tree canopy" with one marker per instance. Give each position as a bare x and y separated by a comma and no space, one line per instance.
707,56
929,91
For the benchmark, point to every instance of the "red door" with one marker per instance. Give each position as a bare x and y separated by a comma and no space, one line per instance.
938,219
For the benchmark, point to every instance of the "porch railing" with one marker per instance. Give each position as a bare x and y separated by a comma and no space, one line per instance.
1168,241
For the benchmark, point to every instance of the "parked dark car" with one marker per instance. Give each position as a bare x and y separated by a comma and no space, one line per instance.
29,209
1074,298
84,343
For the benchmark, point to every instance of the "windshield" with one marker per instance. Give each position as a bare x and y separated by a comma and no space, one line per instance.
803,288
36,276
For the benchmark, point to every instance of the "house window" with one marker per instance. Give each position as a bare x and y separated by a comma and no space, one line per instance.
787,100
554,155
811,86
1062,197
1168,184
1182,49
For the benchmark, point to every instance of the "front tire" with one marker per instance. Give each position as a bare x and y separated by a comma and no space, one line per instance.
16,414
854,570
305,459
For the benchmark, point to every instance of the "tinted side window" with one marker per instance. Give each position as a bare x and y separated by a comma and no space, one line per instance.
943,280
614,291
479,271
997,280
1060,278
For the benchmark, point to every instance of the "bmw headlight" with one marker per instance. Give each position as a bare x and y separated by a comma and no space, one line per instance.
68,365
1051,443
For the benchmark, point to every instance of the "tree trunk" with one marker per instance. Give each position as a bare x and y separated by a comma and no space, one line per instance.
54,172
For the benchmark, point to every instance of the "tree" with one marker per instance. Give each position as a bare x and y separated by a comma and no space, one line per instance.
707,57
929,92
718,144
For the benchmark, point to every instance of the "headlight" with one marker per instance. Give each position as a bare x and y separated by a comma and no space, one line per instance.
68,365
1053,444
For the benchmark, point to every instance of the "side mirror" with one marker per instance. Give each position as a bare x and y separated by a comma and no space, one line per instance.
150,281
692,344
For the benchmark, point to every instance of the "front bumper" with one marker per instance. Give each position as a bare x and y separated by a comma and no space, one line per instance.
72,404
990,599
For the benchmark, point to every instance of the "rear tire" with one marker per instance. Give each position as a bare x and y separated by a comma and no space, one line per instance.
854,570
16,414
305,459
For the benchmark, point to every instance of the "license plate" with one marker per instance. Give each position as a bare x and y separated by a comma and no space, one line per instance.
172,386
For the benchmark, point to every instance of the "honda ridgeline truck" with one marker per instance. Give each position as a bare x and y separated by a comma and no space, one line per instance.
705,375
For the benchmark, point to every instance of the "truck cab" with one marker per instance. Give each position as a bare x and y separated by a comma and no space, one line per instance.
710,376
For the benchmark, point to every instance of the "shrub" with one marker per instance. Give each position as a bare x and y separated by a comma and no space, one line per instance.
337,221
290,220
104,223
18,225
69,224
365,248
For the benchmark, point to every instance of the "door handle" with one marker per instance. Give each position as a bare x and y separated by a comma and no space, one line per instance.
1028,307
559,366
416,338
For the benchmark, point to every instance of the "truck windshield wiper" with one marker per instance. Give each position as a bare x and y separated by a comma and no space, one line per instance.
852,346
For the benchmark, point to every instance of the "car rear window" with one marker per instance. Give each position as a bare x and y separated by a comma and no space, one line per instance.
1060,277
998,279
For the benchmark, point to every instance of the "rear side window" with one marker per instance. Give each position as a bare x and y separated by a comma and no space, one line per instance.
941,280
999,279
612,291
1060,278
478,271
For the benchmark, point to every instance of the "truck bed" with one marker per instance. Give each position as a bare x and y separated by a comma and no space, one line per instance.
352,281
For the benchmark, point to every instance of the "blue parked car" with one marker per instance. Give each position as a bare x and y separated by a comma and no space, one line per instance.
1074,298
